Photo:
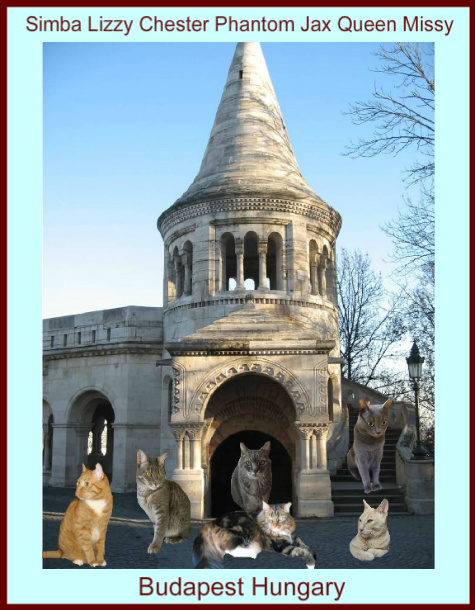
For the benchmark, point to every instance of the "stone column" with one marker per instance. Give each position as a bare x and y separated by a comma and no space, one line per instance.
186,451
305,434
313,275
82,435
189,475
195,435
321,448
239,249
262,265
323,276
186,262
313,486
179,434
178,277
314,452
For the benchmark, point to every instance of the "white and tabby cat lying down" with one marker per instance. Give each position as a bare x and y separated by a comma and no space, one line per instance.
242,534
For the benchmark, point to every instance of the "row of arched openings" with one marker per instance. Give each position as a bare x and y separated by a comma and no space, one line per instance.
180,272
251,263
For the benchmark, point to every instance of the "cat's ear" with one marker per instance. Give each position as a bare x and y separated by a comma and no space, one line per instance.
141,458
266,448
83,468
366,505
287,507
363,405
162,458
244,449
265,506
383,507
99,473
387,404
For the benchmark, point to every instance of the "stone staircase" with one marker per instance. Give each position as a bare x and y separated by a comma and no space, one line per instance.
348,494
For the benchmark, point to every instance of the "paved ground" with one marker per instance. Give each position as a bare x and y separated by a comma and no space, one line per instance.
130,532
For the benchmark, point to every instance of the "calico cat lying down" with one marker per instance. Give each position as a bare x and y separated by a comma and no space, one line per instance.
242,534
82,533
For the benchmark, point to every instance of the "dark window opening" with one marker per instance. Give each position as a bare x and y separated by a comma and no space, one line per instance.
251,258
240,74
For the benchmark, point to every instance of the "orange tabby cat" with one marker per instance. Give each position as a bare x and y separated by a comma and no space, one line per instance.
82,534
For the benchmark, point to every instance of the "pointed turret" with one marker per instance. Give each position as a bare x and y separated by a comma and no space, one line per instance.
249,153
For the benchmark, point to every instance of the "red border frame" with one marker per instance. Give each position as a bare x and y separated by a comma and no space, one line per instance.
160,4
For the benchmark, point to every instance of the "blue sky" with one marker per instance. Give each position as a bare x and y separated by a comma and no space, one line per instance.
125,129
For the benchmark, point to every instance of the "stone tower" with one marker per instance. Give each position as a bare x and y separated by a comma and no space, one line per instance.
250,316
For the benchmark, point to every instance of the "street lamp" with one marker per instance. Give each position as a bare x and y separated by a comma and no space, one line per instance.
414,364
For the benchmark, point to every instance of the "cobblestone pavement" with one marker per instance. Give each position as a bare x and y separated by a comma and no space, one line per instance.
130,532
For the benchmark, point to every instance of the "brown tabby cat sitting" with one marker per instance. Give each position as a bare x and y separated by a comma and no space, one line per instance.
82,534
166,504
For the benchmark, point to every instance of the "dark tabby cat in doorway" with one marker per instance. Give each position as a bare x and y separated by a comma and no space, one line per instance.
364,457
252,478
166,504
242,534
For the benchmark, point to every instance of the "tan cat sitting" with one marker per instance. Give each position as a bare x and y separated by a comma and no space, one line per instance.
82,533
373,536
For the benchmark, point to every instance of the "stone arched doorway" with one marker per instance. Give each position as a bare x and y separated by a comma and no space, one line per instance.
225,459
100,442
90,434
254,408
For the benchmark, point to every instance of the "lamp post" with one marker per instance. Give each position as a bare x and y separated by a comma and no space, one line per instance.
414,364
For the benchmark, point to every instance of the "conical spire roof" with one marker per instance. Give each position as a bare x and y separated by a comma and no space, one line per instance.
249,153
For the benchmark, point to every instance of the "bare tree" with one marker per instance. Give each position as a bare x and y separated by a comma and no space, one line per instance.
404,117
369,327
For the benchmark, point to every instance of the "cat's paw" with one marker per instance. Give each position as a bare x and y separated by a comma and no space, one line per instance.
154,548
310,567
102,563
94,564
368,490
173,540
377,486
78,562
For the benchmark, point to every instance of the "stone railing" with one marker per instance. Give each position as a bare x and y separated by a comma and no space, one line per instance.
416,477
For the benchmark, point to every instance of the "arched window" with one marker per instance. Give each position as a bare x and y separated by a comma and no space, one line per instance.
228,262
330,399
170,398
274,262
323,271
187,266
178,273
251,258
313,263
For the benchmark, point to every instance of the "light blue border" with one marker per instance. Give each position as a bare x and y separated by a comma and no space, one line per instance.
448,583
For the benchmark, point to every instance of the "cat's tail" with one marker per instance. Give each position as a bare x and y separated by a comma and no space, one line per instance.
206,555
211,544
52,554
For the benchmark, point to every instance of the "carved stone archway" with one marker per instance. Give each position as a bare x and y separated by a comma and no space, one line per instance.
256,366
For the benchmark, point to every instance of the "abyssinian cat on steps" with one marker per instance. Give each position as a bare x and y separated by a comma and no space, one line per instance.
364,457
